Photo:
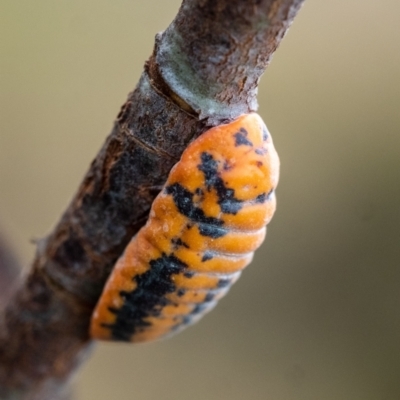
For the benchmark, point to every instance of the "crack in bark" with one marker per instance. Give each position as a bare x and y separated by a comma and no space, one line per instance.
159,152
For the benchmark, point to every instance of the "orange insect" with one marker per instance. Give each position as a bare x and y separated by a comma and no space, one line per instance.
202,231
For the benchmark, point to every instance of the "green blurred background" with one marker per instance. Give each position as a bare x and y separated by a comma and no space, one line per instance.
316,317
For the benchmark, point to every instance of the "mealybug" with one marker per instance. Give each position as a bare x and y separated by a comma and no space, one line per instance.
202,231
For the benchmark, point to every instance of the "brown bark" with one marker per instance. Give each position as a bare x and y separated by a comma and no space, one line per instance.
200,74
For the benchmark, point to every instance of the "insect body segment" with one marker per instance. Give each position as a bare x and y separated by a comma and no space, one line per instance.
202,231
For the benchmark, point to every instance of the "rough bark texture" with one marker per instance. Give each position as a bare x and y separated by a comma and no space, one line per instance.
204,70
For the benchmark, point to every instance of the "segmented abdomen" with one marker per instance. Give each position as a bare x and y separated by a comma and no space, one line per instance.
202,231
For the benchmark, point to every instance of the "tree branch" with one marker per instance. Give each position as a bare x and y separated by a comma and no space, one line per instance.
204,70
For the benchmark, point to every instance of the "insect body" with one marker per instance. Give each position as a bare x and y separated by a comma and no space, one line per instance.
202,231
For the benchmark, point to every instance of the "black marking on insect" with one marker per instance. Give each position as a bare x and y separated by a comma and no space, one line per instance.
227,165
199,308
223,283
265,133
183,198
226,196
261,151
262,198
187,319
207,256
198,192
212,231
178,242
209,297
241,138
147,297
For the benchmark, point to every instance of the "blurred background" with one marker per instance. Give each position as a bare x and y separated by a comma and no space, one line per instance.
316,316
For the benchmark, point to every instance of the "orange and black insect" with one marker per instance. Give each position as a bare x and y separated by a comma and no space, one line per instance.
202,231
